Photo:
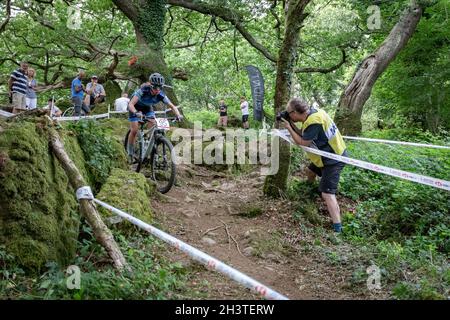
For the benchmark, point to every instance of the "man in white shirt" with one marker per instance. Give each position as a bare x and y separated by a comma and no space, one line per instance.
53,110
121,104
245,112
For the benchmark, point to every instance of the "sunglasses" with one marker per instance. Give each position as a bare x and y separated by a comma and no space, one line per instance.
156,87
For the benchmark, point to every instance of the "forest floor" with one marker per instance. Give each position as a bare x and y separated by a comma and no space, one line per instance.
228,217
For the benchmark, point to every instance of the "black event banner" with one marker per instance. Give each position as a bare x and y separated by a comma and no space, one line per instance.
257,86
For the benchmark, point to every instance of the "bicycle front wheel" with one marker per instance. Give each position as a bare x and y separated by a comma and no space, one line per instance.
137,158
162,164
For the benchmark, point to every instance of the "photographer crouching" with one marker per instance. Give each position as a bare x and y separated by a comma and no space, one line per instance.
318,131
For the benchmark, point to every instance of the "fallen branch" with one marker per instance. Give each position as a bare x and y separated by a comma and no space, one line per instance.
209,230
87,207
232,238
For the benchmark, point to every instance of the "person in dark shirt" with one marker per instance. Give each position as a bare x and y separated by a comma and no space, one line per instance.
143,101
319,131
223,115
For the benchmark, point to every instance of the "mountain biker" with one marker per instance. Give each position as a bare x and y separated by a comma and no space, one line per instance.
143,100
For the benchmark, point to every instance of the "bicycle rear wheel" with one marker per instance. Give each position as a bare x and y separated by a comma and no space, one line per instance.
68,112
162,164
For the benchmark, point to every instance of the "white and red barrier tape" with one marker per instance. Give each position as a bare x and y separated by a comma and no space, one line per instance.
97,116
414,144
430,181
207,260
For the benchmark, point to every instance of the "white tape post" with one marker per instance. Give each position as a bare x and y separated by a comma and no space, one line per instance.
85,193
414,144
199,256
430,181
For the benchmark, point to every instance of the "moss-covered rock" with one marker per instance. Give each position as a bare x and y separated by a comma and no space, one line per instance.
130,192
250,211
113,91
116,127
39,216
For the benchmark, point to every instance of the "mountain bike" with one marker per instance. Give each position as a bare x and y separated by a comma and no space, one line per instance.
153,154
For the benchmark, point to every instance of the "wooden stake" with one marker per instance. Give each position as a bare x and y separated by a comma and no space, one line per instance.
87,207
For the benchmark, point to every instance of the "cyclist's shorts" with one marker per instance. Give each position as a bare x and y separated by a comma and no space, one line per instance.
150,114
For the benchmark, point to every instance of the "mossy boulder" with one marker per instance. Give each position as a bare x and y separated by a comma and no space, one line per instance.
39,216
130,192
113,91
216,153
116,127
250,211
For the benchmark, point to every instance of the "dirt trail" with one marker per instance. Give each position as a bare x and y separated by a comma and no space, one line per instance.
210,211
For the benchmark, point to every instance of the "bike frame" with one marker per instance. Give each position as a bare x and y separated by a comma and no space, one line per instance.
151,133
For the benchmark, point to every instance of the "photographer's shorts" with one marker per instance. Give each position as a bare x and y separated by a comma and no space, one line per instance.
329,176
245,118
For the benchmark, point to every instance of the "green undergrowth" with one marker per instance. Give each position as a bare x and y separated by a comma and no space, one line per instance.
153,277
400,226
102,152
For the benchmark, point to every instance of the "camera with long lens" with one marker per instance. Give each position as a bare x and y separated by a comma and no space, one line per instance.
283,115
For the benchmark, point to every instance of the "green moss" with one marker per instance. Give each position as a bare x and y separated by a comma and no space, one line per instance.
113,91
116,128
130,192
275,185
251,212
349,123
38,209
102,153
151,23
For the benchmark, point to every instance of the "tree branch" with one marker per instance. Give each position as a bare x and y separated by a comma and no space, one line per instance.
128,8
227,15
8,16
324,70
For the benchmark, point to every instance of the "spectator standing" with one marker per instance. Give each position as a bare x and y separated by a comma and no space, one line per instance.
31,97
245,112
223,114
18,85
77,93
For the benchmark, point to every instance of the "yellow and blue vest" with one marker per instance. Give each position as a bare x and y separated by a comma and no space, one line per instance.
331,131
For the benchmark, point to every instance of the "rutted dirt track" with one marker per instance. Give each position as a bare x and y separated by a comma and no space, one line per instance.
210,211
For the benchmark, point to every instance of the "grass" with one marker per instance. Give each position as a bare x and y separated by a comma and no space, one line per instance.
153,276
400,226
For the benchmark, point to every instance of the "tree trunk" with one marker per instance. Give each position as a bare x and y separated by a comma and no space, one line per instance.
147,17
276,185
355,95
87,207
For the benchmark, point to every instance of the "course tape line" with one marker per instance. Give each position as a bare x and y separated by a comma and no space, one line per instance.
97,116
398,142
433,182
205,259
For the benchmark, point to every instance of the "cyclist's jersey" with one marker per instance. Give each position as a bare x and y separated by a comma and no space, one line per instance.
147,100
